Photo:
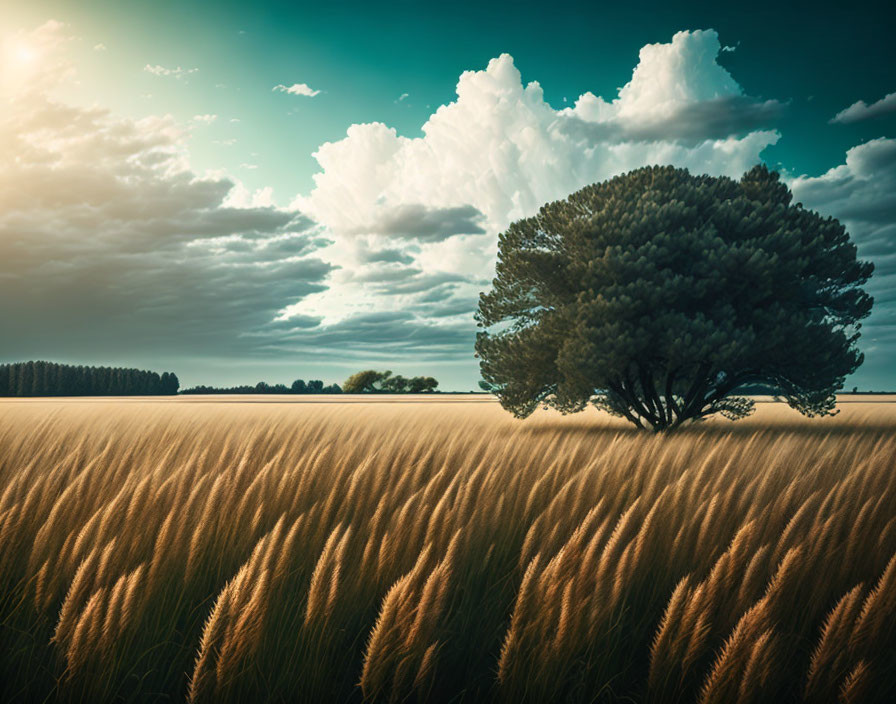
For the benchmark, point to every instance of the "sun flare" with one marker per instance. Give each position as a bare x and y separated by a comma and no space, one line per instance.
25,54
19,53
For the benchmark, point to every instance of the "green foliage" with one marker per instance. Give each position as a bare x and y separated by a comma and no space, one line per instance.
314,386
393,384
656,295
52,379
365,382
421,385
371,381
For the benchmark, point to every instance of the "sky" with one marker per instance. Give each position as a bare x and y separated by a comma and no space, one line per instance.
268,191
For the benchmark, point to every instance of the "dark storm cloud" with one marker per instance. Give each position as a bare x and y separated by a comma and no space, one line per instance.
387,335
110,246
437,294
426,224
296,322
860,193
691,123
239,249
460,307
385,256
387,277
119,304
415,281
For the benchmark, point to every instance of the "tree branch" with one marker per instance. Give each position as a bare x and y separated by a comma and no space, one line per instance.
649,388
670,395
617,389
640,409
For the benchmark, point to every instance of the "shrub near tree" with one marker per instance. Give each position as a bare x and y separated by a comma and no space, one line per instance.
371,381
657,295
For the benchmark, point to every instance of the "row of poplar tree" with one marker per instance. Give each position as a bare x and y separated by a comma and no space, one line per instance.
51,379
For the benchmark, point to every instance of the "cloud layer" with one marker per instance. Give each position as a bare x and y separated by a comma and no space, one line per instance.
861,193
112,248
297,89
860,110
177,72
415,220
110,241
502,149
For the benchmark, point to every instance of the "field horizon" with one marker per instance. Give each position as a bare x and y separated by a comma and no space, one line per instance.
392,549
441,396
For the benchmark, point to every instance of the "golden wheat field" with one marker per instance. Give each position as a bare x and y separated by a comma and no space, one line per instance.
214,550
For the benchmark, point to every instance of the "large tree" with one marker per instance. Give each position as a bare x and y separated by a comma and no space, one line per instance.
656,295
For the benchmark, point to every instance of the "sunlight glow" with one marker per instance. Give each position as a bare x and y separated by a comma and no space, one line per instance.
20,62
24,54
19,53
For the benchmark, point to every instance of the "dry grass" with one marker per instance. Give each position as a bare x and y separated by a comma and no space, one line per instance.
442,551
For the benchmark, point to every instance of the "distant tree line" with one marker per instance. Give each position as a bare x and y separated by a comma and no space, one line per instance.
51,379
368,381
299,386
373,382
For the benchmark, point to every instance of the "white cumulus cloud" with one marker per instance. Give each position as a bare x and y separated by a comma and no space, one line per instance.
297,89
678,91
498,152
178,72
415,220
502,149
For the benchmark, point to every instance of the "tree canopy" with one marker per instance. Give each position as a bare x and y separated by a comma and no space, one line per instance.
657,294
371,381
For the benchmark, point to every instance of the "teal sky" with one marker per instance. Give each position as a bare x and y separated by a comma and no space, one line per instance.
363,56
396,63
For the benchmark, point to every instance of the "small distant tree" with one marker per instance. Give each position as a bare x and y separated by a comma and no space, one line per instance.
26,379
169,383
422,385
298,387
395,384
368,381
657,295
315,386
